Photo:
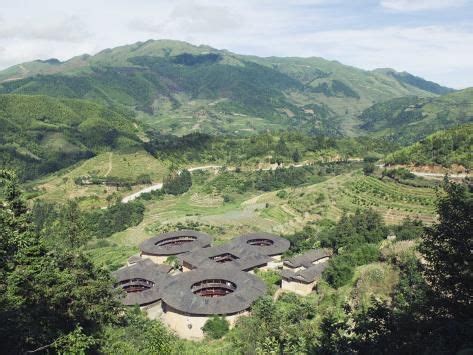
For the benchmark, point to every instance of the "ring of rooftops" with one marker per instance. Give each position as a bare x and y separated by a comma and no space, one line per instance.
175,240
160,247
135,285
260,242
213,288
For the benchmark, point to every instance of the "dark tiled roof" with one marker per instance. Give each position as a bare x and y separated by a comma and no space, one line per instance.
177,292
153,245
277,244
142,270
307,258
308,275
245,258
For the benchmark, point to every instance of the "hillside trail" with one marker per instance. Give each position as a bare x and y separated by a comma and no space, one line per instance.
110,164
438,175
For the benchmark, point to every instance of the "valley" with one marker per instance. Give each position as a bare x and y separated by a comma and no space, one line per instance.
100,153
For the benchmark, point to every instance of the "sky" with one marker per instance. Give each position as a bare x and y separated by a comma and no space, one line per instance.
429,38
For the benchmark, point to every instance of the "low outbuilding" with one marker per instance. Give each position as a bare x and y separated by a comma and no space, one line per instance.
304,280
307,259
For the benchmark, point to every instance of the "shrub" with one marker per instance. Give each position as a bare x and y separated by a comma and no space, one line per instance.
368,168
282,194
177,183
216,327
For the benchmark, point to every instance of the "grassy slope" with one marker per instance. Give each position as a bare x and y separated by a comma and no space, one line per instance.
411,118
235,93
42,134
453,146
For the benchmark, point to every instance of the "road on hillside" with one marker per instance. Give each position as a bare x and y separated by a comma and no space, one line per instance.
159,185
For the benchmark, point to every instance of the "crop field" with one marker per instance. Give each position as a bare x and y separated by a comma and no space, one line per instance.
346,193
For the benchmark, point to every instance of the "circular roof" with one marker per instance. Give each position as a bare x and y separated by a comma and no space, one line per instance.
178,291
174,243
142,273
262,243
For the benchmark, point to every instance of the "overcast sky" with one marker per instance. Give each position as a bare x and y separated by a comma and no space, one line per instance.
430,38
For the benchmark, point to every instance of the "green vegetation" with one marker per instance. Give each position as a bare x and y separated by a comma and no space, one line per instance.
180,88
273,147
375,281
98,223
150,112
42,134
431,308
216,327
453,146
409,119
177,182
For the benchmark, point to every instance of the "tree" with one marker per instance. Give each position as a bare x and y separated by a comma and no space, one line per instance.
431,310
368,168
216,327
281,148
46,292
296,156
177,183
447,248
71,227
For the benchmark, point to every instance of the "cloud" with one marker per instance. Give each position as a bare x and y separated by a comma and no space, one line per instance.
433,45
189,17
434,52
419,5
69,29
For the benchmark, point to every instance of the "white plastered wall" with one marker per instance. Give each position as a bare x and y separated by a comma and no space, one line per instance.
300,288
190,327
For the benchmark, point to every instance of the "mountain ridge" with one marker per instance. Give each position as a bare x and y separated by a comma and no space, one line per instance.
178,88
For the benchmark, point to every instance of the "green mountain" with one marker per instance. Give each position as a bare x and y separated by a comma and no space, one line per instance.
180,88
40,134
408,119
447,147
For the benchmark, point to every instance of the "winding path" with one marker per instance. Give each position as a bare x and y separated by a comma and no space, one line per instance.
110,165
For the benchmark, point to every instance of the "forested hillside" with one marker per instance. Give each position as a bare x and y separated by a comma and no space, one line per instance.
180,88
408,119
41,134
453,146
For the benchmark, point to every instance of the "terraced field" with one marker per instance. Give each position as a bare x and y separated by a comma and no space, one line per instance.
346,193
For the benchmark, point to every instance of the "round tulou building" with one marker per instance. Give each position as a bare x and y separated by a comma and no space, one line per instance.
261,243
189,299
159,248
142,285
207,281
